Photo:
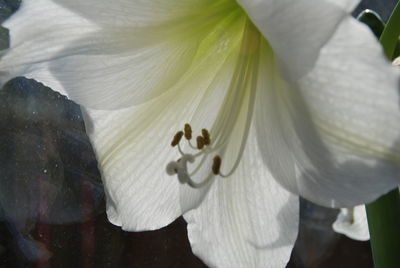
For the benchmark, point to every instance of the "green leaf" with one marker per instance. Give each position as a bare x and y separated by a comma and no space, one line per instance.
384,222
384,213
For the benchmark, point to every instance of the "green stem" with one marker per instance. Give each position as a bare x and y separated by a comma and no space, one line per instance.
391,33
384,228
384,213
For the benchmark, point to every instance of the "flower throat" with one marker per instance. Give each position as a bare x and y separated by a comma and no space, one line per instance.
234,116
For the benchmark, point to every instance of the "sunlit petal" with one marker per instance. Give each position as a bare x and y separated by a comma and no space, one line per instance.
111,67
246,220
352,222
297,40
352,97
133,144
335,129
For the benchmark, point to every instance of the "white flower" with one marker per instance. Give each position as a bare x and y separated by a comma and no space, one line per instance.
352,222
304,99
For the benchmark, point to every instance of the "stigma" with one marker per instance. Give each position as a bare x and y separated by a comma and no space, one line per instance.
200,150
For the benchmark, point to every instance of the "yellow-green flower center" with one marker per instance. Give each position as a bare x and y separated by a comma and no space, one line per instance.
236,111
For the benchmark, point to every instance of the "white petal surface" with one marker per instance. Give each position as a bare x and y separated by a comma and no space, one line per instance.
232,93
348,5
337,129
352,222
133,145
139,194
246,220
108,66
353,98
396,61
31,46
132,12
298,29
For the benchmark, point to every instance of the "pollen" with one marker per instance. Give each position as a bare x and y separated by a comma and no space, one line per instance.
186,167
206,136
216,165
188,131
200,142
177,138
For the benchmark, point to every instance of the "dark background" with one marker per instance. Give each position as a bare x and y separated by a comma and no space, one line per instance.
52,201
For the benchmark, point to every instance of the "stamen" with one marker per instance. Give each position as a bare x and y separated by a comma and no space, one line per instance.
180,150
206,136
177,138
180,167
216,165
237,111
188,132
200,142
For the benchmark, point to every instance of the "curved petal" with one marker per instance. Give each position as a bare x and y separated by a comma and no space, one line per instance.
132,12
33,45
139,196
396,61
246,220
352,222
297,30
133,146
337,131
232,92
353,98
115,66
348,5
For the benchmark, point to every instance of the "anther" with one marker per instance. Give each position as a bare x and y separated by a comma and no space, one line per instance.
216,165
200,142
188,132
206,136
177,138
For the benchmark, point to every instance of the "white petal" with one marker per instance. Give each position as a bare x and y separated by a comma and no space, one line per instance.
131,12
333,140
225,110
352,222
106,66
396,61
133,146
246,220
353,98
348,5
36,44
139,194
298,29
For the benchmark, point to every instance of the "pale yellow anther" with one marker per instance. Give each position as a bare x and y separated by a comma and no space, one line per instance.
200,142
177,138
206,136
188,132
216,165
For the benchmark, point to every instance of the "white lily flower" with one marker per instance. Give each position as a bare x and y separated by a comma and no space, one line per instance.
292,93
352,222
